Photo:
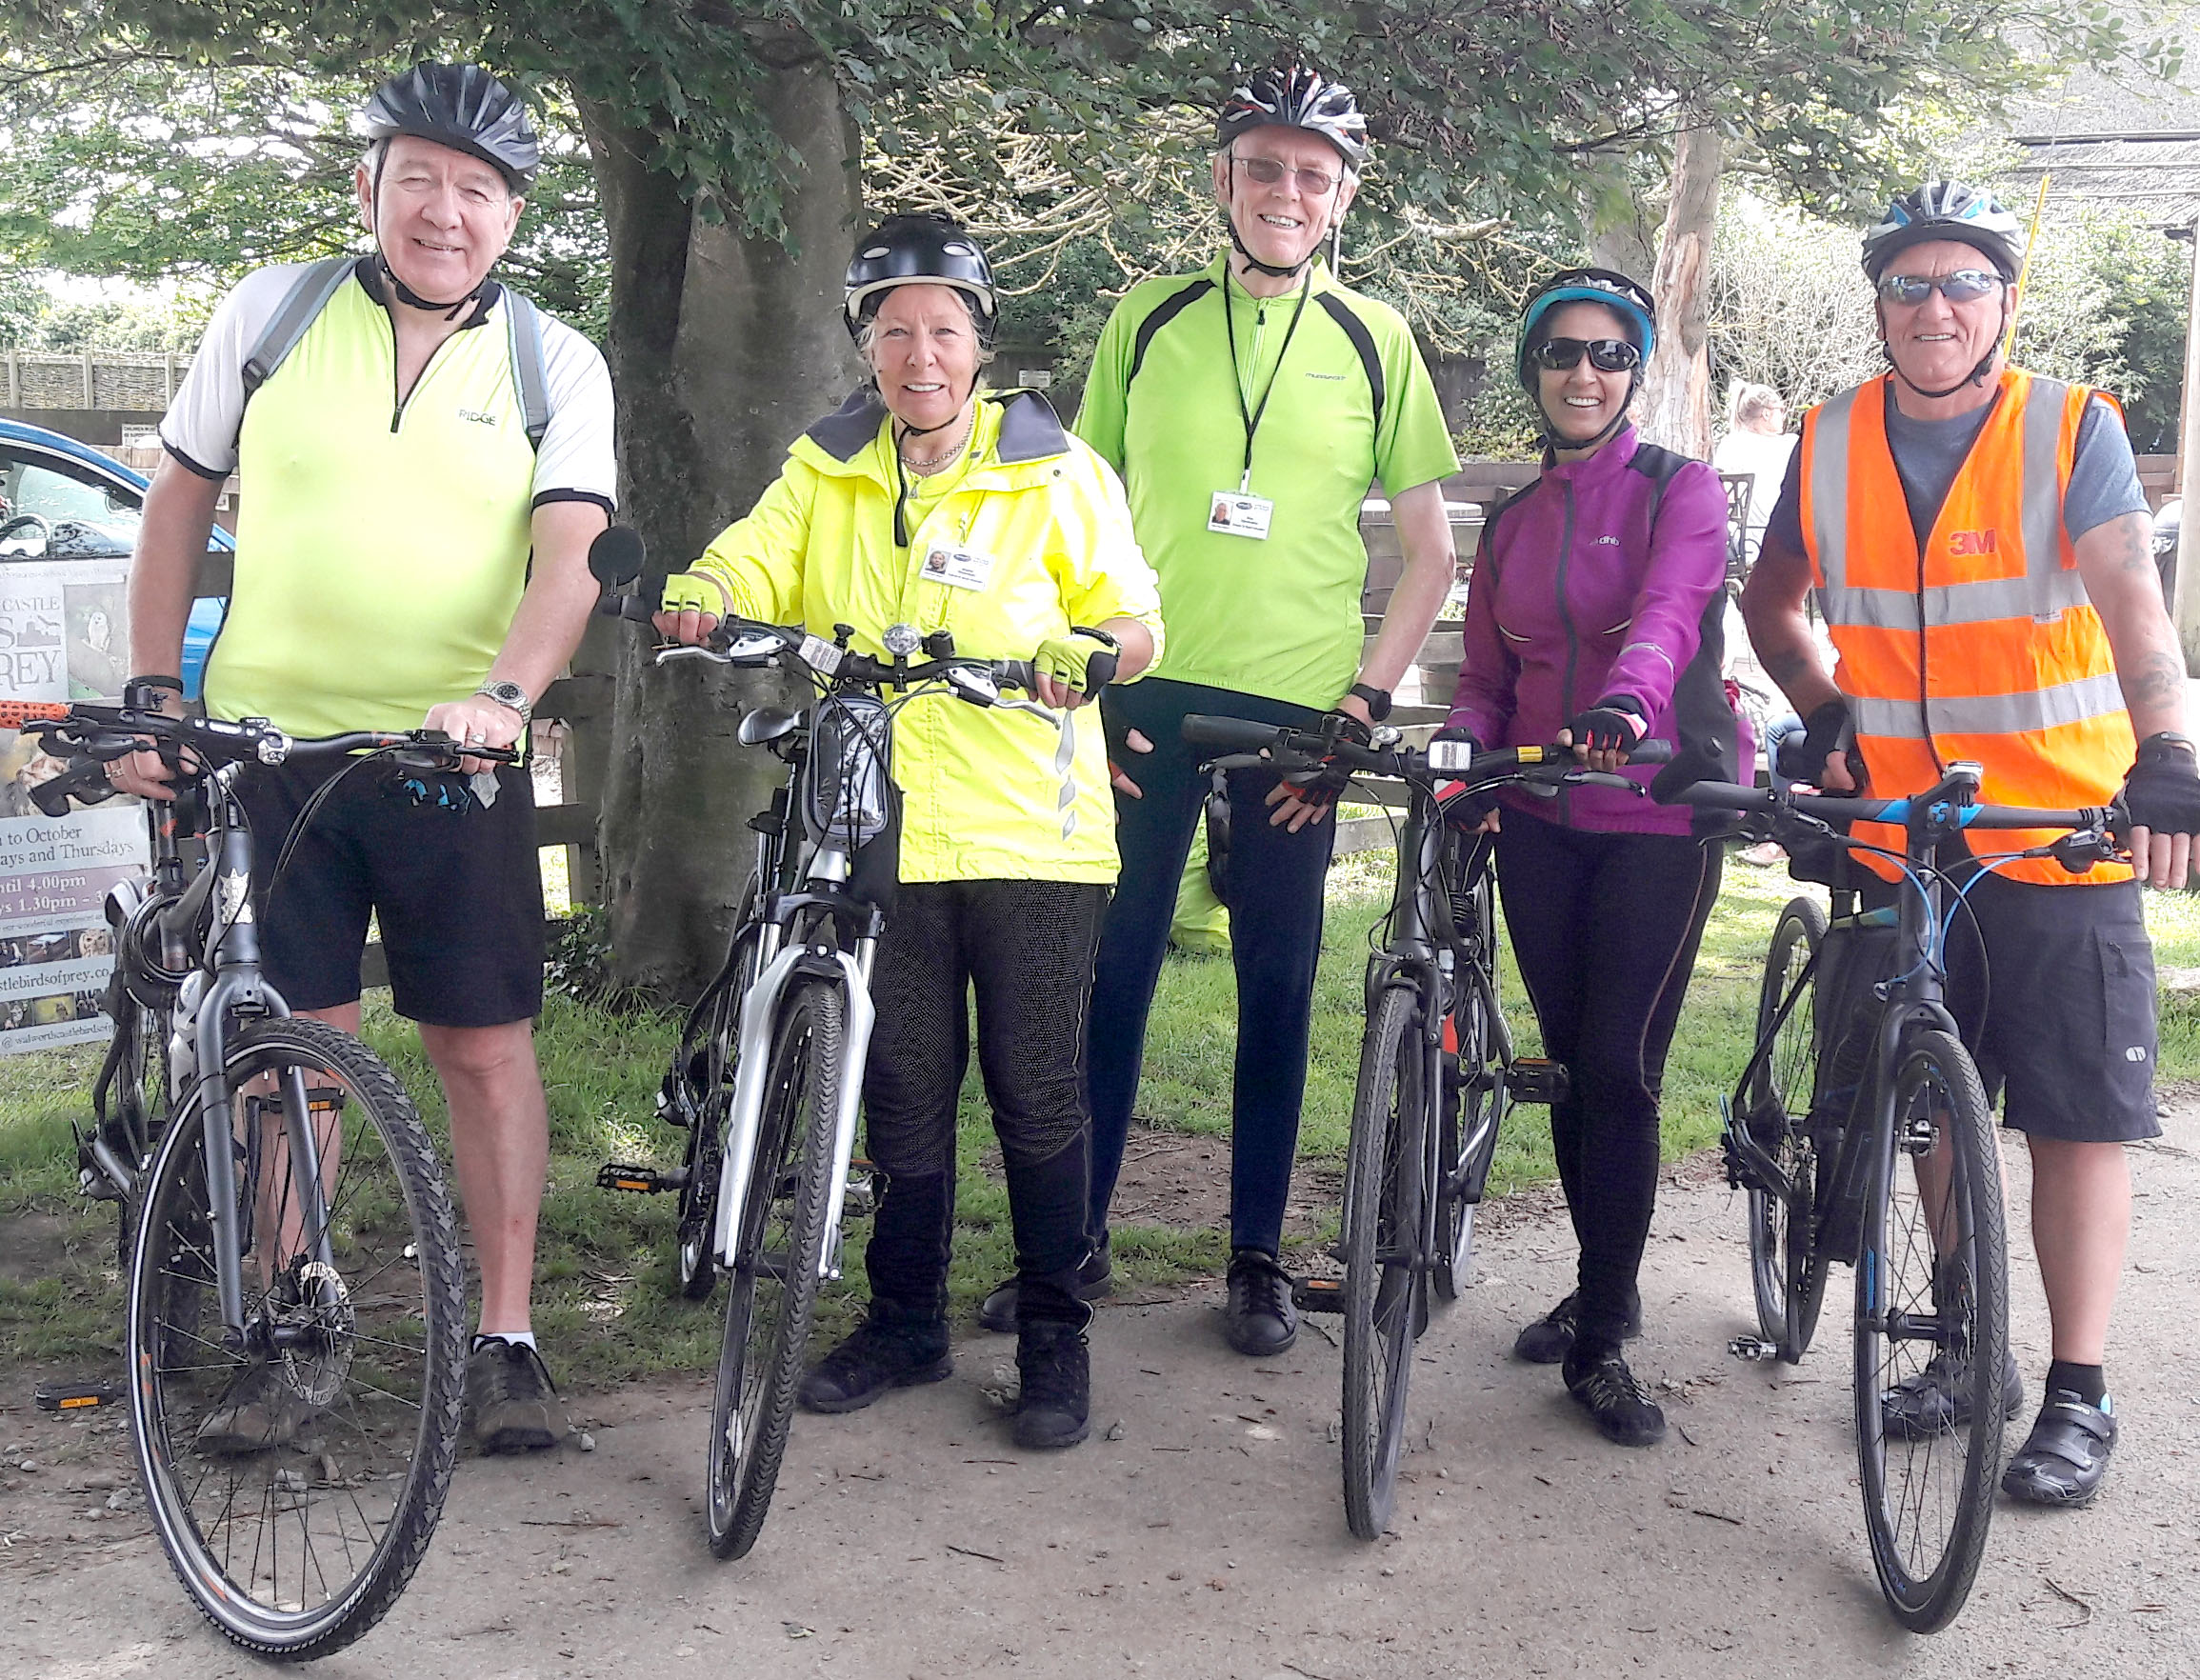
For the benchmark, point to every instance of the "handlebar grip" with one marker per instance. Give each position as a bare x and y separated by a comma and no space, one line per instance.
86,779
1238,735
1016,673
1652,751
642,606
15,714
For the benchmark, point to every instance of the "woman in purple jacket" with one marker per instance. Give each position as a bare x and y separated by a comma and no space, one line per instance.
1595,618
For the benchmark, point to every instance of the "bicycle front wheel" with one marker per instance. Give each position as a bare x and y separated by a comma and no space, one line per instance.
1932,1335
1787,1274
778,1248
295,1470
1385,1190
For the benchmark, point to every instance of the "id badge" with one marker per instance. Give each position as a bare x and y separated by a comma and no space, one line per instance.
1240,513
958,567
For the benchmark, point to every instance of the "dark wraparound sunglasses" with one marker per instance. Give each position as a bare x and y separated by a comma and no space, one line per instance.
1607,355
1964,286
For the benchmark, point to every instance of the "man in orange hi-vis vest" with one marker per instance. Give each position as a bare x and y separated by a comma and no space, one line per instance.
1979,546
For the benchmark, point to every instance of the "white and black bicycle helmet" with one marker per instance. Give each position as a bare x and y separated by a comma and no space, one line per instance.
903,250
1296,96
1947,210
463,107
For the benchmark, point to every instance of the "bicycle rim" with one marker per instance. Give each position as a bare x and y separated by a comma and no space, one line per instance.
711,1066
771,1287
138,1107
1931,1287
1382,1237
1777,1110
295,1476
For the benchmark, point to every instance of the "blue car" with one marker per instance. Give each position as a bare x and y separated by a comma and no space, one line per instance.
61,500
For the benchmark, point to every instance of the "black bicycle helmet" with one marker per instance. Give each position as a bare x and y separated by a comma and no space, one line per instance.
463,107
1296,96
1947,210
902,251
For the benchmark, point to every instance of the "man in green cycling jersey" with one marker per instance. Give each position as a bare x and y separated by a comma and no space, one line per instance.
1249,409
416,507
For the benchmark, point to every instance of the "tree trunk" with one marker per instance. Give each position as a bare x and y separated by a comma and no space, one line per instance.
1675,407
722,349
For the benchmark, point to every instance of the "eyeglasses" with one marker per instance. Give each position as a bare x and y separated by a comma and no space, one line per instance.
1607,355
1266,173
1962,286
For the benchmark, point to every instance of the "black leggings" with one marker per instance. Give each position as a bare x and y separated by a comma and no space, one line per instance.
1605,929
1027,947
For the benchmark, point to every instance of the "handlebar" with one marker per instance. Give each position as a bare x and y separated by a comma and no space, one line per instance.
103,732
1281,746
2097,834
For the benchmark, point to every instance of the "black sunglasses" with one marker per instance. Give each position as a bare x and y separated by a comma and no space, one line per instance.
1962,286
1607,355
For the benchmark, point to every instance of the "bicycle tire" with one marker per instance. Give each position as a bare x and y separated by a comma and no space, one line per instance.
1472,1123
1383,1302
138,1095
710,1068
1929,1496
771,1287
1787,1273
358,1405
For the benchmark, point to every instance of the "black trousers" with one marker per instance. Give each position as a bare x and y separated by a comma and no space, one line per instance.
1605,929
1026,948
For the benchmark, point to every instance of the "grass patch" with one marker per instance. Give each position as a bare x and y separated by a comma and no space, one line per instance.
606,1302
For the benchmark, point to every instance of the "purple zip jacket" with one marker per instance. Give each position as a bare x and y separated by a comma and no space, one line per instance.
1604,578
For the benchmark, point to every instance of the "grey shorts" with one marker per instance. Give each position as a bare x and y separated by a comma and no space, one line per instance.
2058,1007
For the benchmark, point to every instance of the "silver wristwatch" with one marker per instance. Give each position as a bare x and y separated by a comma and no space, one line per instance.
509,694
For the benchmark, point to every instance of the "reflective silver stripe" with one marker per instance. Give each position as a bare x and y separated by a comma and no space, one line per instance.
1830,485
2031,596
2041,498
1993,714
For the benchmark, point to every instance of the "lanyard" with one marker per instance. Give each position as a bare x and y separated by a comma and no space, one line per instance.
1252,416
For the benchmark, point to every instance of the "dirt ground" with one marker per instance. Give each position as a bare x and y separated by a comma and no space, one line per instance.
1200,1532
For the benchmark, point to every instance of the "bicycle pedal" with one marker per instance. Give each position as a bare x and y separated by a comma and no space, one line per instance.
1536,1079
66,1396
1318,1294
1753,1348
645,1181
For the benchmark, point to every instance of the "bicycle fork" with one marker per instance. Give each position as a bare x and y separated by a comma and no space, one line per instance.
759,1016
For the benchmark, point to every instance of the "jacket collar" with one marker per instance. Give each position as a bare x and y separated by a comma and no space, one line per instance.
1600,468
1030,429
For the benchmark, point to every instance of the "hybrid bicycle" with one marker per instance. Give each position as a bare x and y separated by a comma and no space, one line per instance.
768,1073
1437,1069
295,1337
1830,1104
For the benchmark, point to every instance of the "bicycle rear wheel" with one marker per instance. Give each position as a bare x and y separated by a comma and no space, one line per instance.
1385,1186
294,1478
1787,1274
707,1074
1471,1124
1932,1317
772,1287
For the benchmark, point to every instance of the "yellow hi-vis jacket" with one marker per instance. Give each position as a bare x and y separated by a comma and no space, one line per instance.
1039,538
1984,646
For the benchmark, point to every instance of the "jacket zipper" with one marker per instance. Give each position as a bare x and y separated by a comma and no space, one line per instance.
1573,638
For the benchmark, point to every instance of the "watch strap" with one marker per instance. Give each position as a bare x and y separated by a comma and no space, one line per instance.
1378,699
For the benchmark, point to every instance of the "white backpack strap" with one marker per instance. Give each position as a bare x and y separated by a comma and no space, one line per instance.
524,323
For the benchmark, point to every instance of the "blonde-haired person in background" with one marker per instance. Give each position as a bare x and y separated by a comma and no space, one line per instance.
1758,443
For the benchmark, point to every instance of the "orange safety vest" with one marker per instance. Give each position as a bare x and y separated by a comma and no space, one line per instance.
1984,646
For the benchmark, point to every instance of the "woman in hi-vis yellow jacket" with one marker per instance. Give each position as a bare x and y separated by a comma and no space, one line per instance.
928,502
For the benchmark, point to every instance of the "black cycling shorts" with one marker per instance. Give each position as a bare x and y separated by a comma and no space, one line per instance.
2060,1014
455,890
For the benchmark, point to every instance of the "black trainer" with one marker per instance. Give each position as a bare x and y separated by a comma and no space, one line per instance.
2065,1457
1095,1279
1055,1404
1259,1318
1937,1399
511,1401
894,1348
1624,1412
1549,1339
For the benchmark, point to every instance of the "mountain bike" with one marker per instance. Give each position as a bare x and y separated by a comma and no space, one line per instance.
1437,1069
768,1073
295,1338
1831,1103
